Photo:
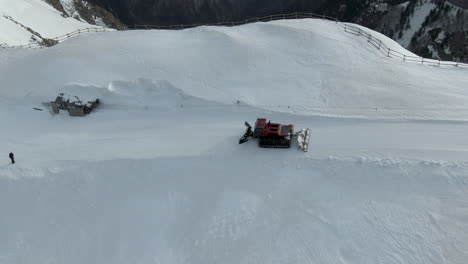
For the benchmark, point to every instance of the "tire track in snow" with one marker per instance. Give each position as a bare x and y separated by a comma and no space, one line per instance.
294,232
417,254
370,206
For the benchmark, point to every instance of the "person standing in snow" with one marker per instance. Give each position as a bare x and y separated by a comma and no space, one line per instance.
12,157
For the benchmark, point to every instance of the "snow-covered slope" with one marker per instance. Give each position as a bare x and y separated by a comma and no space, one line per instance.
26,21
285,63
156,174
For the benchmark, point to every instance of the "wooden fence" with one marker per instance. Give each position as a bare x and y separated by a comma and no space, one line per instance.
56,40
349,28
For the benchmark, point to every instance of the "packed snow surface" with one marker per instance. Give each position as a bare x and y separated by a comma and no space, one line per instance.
156,174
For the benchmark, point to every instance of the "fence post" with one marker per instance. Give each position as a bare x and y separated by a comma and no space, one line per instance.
369,38
404,57
380,45
439,63
388,53
422,60
359,32
456,65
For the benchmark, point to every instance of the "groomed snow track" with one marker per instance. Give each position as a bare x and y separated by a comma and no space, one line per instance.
268,208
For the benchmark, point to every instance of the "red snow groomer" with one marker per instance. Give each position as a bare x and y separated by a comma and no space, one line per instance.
273,135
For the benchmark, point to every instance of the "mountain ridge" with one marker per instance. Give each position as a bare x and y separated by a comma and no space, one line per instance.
415,24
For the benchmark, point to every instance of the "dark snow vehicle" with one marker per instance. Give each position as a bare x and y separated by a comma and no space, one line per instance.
274,135
74,108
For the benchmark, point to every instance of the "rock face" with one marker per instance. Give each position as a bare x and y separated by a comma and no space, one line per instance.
431,28
434,29
460,3
171,12
87,12
443,35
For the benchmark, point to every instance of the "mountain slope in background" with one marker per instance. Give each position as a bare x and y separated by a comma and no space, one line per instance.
86,11
435,29
35,21
432,29
173,12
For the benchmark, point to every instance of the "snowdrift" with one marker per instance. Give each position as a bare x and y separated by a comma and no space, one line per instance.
141,93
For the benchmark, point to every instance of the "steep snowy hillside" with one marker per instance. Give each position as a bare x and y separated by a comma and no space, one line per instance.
431,29
33,21
156,174
434,29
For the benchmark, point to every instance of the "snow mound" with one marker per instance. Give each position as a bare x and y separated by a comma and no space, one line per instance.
141,92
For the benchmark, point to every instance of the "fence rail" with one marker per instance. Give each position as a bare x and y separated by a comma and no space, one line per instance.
348,28
296,15
56,40
377,43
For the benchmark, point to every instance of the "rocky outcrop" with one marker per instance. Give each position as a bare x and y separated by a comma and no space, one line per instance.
172,12
57,5
459,3
87,12
97,15
444,34
436,29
